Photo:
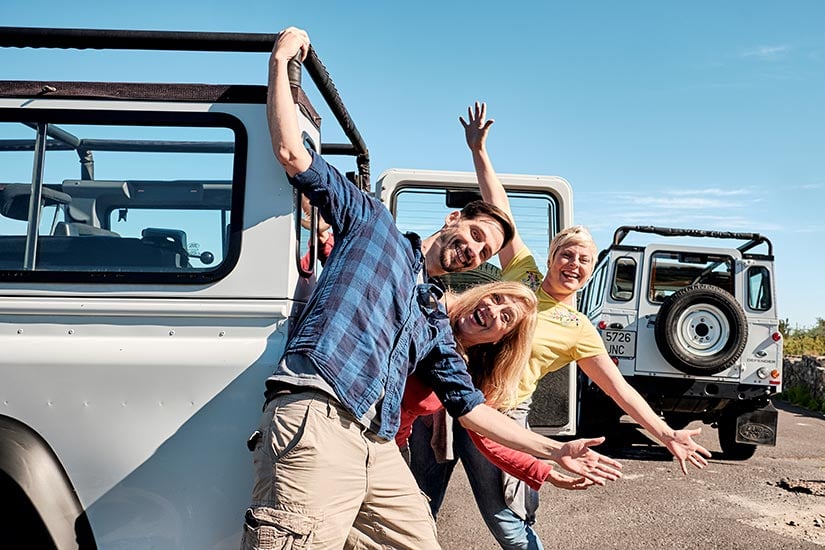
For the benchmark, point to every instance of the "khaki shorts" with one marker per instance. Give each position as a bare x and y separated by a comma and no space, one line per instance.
323,481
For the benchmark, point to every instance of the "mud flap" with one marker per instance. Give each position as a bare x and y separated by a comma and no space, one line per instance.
758,427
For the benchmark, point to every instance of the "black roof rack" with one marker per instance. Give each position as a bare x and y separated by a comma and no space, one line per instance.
113,39
753,239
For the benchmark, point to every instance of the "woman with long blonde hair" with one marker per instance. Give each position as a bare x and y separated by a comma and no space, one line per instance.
493,324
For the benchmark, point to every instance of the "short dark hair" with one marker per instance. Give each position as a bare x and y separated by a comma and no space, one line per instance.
477,208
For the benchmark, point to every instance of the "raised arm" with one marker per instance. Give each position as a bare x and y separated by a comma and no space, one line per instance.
280,108
680,443
476,128
574,456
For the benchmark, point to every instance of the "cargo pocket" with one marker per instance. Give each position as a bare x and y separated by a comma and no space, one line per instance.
271,529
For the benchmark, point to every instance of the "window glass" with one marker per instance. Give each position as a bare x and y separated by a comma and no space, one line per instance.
130,195
671,271
423,211
759,288
624,280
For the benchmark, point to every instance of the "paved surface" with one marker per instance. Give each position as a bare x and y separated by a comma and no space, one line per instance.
775,500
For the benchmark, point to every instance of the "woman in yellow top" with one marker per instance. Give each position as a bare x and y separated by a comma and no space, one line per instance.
562,335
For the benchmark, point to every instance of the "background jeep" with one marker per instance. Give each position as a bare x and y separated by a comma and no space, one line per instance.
694,329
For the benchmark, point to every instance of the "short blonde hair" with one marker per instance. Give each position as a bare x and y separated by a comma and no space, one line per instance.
576,234
496,367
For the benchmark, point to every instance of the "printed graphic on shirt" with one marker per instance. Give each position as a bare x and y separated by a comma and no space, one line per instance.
532,280
563,316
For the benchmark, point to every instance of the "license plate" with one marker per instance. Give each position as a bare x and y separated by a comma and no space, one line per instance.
620,343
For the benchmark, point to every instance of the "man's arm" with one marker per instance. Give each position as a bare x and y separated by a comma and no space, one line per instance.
574,456
280,109
476,129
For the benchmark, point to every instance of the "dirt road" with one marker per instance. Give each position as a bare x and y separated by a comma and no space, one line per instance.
774,500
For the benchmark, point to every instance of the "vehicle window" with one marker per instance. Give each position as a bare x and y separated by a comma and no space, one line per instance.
759,288
595,296
140,195
624,280
671,271
535,214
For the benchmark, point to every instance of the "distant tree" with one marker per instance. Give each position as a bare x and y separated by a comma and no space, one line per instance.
804,341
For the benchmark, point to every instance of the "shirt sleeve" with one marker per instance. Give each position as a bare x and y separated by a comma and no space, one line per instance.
418,400
444,370
589,343
522,466
523,269
339,201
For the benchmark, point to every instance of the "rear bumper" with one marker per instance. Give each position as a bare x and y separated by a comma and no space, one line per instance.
700,396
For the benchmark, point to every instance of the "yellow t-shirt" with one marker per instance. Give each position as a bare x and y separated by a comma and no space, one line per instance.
562,335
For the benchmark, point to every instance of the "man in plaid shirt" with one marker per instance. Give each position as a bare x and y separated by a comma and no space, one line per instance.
328,473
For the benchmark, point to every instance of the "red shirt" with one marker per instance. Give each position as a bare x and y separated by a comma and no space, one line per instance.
419,400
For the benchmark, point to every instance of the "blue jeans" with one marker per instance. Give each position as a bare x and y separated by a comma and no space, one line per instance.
509,530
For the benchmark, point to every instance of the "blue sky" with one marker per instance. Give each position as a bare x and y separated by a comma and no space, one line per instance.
704,114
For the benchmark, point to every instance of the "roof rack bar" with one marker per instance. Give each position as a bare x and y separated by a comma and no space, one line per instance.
114,39
752,238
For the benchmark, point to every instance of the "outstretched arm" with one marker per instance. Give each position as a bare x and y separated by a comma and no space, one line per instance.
680,443
280,108
476,128
574,456
525,467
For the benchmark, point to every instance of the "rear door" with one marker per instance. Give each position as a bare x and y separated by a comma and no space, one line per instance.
420,200
667,270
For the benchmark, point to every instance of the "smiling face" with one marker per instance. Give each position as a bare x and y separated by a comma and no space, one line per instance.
491,320
568,270
464,244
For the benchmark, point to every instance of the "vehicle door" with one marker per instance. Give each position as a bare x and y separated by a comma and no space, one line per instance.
420,200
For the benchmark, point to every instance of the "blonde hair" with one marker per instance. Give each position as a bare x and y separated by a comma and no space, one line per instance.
576,234
496,367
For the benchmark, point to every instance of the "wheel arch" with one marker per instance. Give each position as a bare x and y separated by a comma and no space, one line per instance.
29,463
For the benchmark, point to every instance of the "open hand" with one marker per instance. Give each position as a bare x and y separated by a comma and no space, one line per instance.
685,449
476,127
577,457
562,481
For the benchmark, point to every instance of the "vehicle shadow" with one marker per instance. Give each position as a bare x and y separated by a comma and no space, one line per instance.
796,410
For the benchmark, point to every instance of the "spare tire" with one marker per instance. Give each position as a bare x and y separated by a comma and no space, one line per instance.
701,329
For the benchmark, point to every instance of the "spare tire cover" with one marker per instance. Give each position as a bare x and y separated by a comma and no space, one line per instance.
701,329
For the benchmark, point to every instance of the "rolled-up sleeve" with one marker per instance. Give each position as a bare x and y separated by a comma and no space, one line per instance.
444,370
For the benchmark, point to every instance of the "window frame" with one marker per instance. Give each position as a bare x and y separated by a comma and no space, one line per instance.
144,118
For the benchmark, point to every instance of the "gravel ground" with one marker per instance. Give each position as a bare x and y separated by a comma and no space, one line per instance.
774,500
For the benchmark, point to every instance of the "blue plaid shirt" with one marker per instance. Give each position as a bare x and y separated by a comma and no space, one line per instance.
368,325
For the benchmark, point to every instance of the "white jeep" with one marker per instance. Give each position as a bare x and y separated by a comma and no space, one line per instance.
151,270
693,328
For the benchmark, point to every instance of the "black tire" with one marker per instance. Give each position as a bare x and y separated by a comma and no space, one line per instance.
731,449
679,421
701,330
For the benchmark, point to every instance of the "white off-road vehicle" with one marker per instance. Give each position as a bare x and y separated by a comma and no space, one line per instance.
693,328
150,274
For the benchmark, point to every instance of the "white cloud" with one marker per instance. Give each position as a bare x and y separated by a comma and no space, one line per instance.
714,191
811,186
679,203
767,53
